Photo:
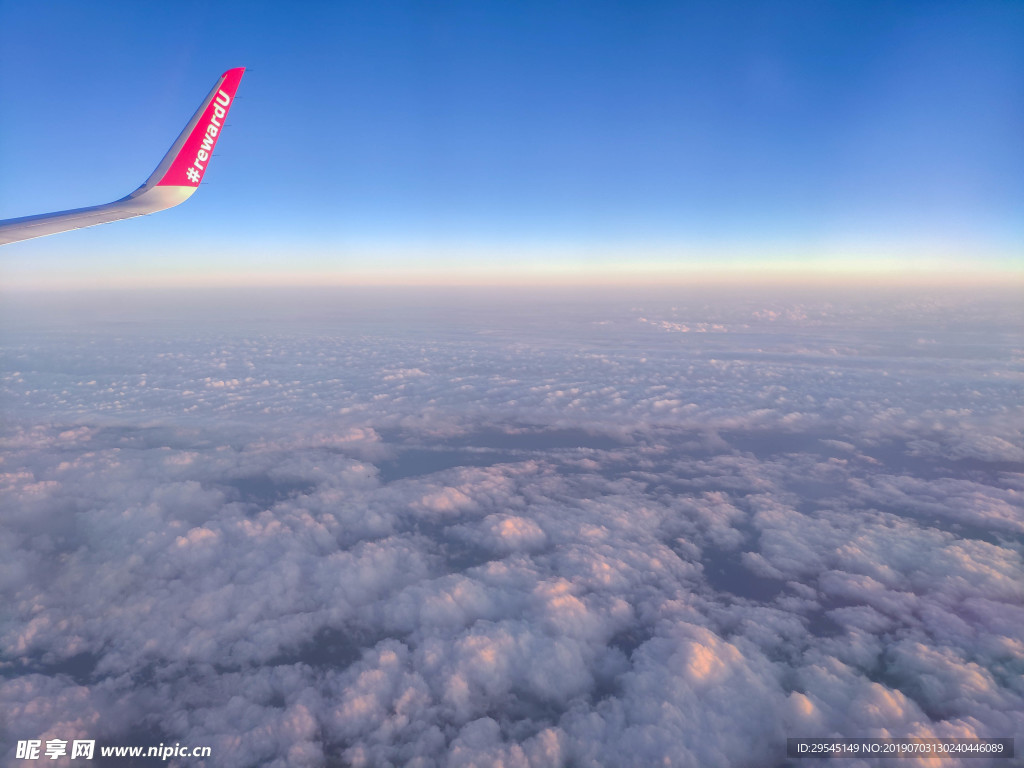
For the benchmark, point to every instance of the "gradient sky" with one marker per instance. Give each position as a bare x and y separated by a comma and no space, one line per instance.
405,142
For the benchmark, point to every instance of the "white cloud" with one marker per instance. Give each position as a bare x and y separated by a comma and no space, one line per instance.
589,542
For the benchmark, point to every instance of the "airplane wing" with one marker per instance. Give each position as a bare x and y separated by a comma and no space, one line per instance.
173,181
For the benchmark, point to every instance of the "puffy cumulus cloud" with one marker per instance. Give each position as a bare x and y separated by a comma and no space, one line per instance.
474,538
684,682
511,533
952,498
50,707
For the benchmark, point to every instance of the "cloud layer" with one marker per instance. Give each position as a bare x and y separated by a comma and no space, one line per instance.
523,533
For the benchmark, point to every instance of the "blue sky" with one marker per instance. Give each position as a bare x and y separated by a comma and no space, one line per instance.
405,142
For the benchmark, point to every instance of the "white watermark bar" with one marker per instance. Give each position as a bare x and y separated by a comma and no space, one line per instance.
86,749
835,747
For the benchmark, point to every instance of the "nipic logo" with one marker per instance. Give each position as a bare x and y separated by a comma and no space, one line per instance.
212,129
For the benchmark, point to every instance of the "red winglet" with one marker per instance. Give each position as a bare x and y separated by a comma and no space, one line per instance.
192,160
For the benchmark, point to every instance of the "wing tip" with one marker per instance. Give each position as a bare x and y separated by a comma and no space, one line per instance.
186,162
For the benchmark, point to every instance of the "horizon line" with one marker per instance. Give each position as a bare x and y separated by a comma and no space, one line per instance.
533,276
